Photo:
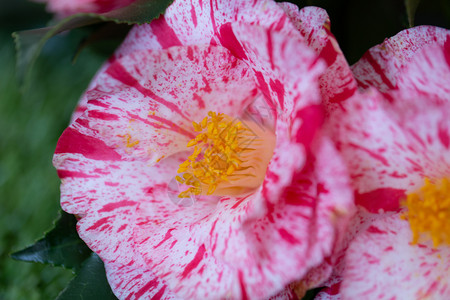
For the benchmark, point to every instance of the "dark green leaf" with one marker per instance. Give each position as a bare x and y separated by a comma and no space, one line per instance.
411,7
90,282
139,12
61,246
103,39
29,43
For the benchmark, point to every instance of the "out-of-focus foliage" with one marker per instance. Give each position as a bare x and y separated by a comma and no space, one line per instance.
30,125
30,42
29,187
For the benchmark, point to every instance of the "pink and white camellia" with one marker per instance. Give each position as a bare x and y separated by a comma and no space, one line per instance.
395,137
274,223
64,8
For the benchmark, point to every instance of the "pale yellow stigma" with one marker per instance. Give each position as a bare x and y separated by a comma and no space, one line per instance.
429,212
230,157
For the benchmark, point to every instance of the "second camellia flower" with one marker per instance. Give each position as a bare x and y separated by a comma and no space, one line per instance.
395,138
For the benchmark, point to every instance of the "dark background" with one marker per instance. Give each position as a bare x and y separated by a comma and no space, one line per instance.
32,120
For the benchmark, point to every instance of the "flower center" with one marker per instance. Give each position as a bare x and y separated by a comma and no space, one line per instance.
230,157
429,212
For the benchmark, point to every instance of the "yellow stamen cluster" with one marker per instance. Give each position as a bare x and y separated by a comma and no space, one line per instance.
217,148
429,212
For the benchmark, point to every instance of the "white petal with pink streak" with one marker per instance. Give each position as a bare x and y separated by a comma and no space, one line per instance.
245,246
391,148
199,22
381,66
337,82
381,263
169,89
134,282
428,73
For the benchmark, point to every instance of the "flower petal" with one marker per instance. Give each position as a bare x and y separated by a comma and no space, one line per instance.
292,101
229,247
143,104
133,282
198,22
390,148
382,264
381,66
428,74
337,82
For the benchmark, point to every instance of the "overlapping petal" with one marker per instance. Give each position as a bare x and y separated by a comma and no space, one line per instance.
383,65
396,269
337,83
393,134
391,148
205,22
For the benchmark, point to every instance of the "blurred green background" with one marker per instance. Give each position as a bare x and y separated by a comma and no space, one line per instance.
32,120
30,123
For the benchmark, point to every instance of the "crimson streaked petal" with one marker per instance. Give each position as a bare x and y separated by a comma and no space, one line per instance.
199,22
337,83
131,281
185,246
427,74
381,263
390,148
142,105
381,65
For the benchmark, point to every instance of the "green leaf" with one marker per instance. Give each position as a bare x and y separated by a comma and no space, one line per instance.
90,282
139,12
61,246
103,39
411,7
29,43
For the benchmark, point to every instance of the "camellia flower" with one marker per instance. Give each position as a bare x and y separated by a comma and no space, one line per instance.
64,8
395,137
196,159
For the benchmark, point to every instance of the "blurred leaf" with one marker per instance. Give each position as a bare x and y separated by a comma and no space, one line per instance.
90,282
411,7
139,12
61,246
103,39
29,43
